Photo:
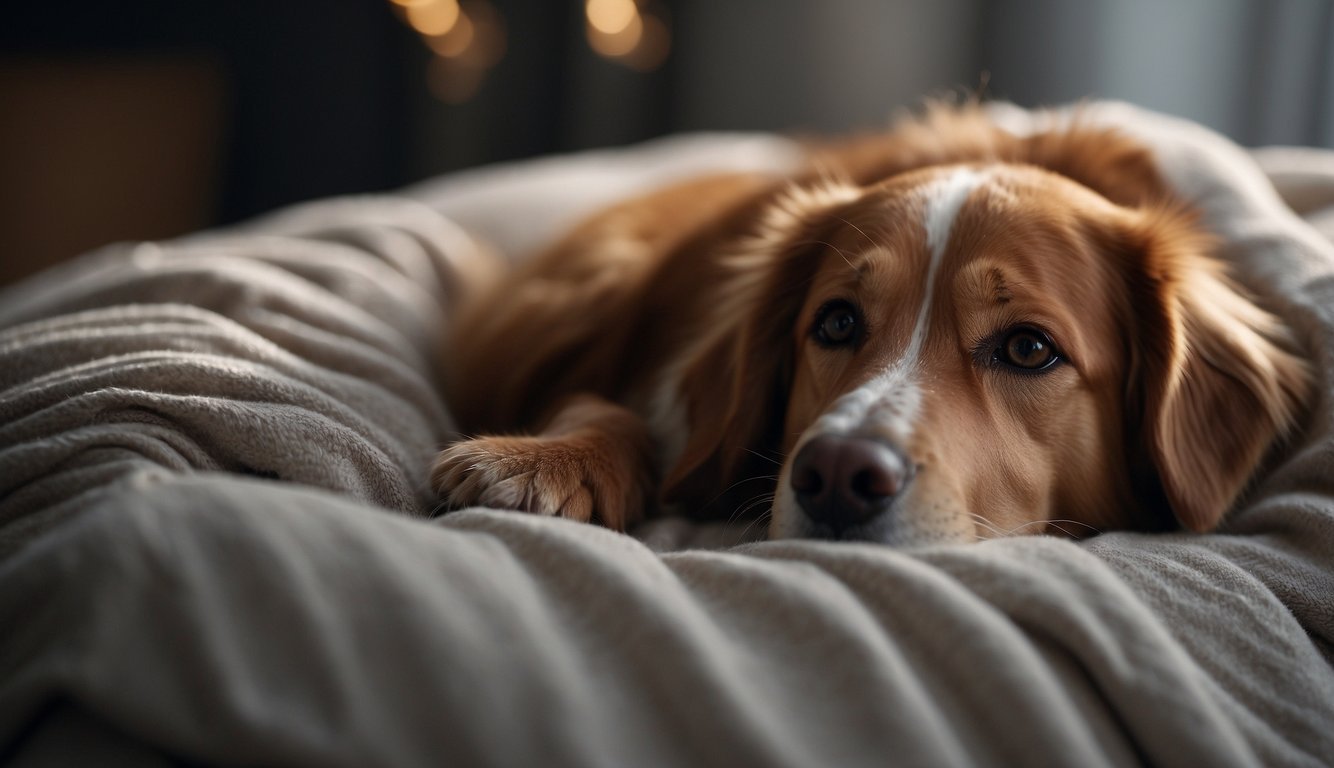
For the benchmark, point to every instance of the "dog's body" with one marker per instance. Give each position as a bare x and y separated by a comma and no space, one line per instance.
943,333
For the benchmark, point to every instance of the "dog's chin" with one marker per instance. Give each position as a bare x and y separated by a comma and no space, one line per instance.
891,528
862,533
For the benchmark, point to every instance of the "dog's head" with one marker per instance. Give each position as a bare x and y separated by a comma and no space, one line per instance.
976,350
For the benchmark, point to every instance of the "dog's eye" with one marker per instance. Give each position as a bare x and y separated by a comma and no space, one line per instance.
1027,349
836,324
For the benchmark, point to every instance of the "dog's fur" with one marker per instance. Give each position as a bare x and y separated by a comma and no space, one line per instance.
675,349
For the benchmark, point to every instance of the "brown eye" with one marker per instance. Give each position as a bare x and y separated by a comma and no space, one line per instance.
1027,349
836,324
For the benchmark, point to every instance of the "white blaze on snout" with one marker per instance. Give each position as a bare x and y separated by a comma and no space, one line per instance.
889,404
944,200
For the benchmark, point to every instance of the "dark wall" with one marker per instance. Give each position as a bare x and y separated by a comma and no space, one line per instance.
313,95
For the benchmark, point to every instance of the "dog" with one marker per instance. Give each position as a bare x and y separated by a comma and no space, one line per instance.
942,333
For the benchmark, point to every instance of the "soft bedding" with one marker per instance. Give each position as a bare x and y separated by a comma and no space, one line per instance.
215,544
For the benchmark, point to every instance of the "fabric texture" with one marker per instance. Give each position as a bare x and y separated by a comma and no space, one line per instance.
298,348
213,546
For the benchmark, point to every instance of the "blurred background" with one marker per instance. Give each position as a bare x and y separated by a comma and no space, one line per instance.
143,119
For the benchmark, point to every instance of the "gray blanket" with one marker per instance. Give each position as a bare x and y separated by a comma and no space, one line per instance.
213,542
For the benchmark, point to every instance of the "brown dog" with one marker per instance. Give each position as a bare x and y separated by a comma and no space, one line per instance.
945,333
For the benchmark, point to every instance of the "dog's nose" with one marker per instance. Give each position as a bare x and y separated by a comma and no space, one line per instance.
842,481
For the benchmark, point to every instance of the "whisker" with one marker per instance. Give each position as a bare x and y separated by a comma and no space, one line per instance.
1016,530
834,248
724,491
770,459
764,518
841,255
986,524
1021,526
747,505
859,231
1093,528
1053,523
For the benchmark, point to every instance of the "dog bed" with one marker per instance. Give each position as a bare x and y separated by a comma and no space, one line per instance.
216,543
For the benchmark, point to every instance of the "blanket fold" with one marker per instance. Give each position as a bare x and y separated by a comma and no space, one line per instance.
296,349
493,638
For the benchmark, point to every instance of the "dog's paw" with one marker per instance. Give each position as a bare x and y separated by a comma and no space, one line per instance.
555,476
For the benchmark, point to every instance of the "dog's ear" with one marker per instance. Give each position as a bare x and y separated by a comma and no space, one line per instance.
1216,374
733,386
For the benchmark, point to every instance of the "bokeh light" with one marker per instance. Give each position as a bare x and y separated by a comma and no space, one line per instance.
616,44
628,32
456,42
468,38
655,42
433,17
611,17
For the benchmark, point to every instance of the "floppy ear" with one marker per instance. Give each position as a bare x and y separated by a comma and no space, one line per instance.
734,383
1220,382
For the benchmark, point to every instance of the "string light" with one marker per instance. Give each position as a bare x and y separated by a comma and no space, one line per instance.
468,38
614,45
611,17
625,32
456,42
433,17
655,43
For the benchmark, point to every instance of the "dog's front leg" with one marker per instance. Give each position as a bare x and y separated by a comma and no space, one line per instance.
592,460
